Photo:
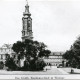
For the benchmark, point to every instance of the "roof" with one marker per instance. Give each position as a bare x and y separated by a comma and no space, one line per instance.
5,49
56,53
6,46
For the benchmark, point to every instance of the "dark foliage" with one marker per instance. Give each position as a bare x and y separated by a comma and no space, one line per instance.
73,55
33,51
10,64
1,65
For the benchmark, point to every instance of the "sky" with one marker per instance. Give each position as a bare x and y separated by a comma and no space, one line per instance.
54,22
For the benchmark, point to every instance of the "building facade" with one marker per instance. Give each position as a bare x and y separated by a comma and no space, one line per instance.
5,51
55,58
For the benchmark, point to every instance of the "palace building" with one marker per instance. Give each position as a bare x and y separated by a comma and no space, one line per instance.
55,58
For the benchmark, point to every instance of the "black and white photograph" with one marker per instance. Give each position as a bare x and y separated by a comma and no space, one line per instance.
40,37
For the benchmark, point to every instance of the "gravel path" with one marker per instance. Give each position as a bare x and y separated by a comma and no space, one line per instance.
50,71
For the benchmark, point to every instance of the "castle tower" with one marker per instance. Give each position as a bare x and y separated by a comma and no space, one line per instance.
27,24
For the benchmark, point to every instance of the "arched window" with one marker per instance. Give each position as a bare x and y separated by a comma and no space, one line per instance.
24,33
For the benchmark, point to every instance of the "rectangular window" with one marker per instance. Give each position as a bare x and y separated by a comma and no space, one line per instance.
1,56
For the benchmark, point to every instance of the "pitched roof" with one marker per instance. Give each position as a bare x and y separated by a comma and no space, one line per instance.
6,46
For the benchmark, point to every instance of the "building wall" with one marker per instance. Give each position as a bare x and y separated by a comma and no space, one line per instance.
54,59
5,50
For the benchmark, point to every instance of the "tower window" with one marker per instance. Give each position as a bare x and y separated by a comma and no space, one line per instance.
24,32
23,27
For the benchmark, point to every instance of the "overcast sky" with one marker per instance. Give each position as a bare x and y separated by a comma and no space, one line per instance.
56,23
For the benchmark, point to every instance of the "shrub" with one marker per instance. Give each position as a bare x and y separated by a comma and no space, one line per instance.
40,64
1,65
10,64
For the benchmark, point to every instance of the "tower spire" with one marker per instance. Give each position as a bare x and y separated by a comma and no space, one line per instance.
27,2
27,24
27,9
